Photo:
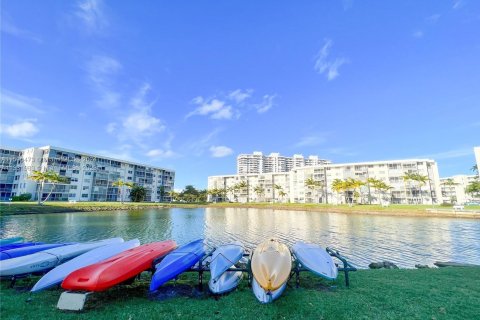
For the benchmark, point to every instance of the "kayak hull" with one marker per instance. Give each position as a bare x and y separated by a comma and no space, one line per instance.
117,269
227,282
58,274
225,257
177,262
271,264
24,251
266,296
316,259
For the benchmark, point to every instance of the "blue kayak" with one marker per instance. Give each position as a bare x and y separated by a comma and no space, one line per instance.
176,262
19,245
20,252
10,240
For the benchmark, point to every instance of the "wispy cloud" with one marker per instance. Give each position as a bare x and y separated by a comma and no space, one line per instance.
23,129
220,151
92,15
14,102
450,154
457,4
231,105
198,146
326,65
418,34
433,18
347,4
311,141
160,154
101,70
9,28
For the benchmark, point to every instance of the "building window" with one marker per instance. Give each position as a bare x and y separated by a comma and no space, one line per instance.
86,188
73,187
88,173
71,195
76,171
84,195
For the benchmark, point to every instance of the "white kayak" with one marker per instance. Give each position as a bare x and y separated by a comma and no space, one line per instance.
264,296
48,259
228,281
225,257
56,275
315,259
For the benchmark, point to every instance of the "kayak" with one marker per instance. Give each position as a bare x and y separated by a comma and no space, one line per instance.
264,296
316,259
45,260
10,240
19,245
176,262
227,281
225,257
56,275
117,269
271,264
23,251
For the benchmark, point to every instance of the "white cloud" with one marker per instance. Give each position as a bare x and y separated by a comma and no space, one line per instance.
91,14
330,67
239,95
23,129
266,104
9,28
101,70
159,153
418,34
19,102
111,127
309,141
220,151
457,4
450,154
215,108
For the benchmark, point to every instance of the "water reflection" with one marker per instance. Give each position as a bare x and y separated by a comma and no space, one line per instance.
405,241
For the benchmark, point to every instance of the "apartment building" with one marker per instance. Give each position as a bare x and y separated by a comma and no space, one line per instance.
90,177
258,163
453,189
268,186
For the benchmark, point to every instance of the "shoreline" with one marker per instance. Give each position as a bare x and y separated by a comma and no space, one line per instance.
393,210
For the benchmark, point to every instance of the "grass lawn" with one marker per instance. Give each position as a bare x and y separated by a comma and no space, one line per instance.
56,207
446,293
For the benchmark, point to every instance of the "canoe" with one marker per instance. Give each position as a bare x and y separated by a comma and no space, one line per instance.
176,262
23,251
45,260
56,275
316,259
19,245
271,263
227,281
117,269
225,257
10,240
264,296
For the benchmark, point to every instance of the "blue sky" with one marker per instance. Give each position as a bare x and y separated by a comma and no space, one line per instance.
189,85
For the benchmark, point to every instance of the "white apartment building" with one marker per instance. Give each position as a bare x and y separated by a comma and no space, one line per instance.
453,189
293,183
259,163
90,177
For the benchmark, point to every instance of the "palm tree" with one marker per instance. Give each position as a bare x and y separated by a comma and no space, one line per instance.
338,186
421,181
450,183
173,195
313,184
48,176
259,190
120,184
474,169
276,187
243,186
408,176
473,188
282,194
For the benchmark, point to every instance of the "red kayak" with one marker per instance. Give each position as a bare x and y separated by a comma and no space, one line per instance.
117,269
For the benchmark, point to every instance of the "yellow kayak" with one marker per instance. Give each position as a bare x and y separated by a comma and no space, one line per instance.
271,264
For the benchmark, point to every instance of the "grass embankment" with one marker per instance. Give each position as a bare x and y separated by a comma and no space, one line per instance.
447,293
398,209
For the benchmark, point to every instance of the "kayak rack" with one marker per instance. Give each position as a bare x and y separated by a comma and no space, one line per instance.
347,267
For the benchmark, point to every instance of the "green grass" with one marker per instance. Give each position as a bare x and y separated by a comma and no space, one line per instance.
447,293
57,207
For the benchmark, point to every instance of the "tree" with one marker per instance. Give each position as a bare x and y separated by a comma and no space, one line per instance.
259,190
278,188
450,183
173,195
473,188
475,169
421,181
313,184
282,194
243,186
48,176
138,193
120,184
375,184
408,176
338,186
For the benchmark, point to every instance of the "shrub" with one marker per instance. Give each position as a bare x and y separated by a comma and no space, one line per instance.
22,197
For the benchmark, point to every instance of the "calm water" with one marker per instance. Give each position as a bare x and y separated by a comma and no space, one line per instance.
405,241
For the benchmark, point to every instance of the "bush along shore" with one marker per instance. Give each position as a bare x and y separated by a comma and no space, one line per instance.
446,293
401,210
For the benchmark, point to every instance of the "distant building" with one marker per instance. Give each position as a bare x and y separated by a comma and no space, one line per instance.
453,189
259,163
90,177
292,184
